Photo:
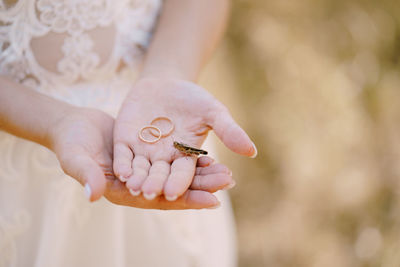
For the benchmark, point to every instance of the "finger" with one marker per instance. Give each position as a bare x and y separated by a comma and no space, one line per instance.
140,166
154,183
118,194
84,169
212,182
204,161
231,134
182,173
212,169
122,161
191,199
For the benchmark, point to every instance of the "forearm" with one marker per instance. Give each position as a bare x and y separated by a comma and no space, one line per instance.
187,33
28,114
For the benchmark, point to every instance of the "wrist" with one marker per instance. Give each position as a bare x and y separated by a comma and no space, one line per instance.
168,72
27,113
56,124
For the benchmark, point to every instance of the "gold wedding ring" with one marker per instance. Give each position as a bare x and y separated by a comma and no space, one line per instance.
163,134
151,127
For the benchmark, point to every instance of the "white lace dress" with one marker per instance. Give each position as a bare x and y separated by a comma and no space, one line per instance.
45,220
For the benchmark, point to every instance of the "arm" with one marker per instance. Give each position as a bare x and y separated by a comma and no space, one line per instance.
81,138
187,33
185,37
36,117
28,114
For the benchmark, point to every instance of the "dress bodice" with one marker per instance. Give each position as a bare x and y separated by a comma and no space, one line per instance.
71,32
84,52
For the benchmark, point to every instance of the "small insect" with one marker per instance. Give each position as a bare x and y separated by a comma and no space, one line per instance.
189,150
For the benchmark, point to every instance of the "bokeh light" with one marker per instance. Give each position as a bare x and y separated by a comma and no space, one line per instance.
317,86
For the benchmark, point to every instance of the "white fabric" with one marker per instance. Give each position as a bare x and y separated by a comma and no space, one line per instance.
45,220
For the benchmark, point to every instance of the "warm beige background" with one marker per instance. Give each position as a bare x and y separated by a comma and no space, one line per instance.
317,86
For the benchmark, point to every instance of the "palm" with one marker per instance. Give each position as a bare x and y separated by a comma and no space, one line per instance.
85,137
152,168
191,128
84,148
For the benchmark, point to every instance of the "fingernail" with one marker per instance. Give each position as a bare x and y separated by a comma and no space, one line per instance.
229,186
216,206
123,179
171,198
255,151
88,191
134,193
149,196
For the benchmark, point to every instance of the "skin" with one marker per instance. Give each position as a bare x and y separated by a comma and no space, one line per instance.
160,168
82,140
166,88
84,147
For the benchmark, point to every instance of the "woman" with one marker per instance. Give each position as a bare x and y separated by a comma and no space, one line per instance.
66,68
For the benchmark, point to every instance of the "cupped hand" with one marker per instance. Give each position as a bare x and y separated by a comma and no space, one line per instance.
159,168
83,143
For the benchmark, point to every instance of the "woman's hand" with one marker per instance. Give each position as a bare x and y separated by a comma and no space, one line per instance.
82,141
208,179
160,167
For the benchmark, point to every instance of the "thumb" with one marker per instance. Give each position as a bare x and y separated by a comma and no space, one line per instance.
87,172
231,134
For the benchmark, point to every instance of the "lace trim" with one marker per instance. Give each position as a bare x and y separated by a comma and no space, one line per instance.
26,19
75,17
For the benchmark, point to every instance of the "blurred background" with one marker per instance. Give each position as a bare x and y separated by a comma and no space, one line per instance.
316,84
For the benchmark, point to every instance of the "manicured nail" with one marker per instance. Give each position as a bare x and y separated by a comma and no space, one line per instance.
149,196
229,186
171,198
216,206
88,191
134,193
255,151
123,179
